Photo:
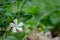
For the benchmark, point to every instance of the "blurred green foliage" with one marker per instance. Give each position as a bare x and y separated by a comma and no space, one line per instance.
32,12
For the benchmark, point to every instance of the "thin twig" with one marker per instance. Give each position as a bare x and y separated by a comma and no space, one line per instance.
23,6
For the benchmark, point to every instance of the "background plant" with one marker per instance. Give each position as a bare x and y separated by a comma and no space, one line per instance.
42,13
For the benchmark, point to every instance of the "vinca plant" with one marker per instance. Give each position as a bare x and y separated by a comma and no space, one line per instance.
20,17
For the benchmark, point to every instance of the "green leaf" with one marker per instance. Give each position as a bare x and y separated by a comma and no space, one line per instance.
55,18
8,38
19,35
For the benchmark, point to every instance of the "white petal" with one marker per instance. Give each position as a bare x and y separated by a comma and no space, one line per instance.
14,30
12,25
20,29
20,24
16,21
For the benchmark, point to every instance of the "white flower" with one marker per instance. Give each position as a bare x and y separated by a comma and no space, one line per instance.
16,26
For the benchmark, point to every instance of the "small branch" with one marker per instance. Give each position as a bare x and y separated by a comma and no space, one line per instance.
19,10
18,5
23,6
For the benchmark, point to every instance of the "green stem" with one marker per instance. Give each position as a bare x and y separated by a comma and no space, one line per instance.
23,6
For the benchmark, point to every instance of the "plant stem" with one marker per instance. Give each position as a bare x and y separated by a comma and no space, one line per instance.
23,6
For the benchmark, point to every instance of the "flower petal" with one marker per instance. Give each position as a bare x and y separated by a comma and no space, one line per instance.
20,29
14,30
20,24
12,25
15,21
